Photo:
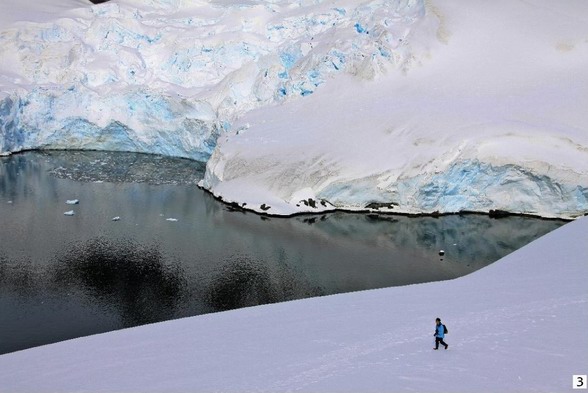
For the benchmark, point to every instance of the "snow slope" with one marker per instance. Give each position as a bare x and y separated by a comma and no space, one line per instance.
518,325
408,105
490,114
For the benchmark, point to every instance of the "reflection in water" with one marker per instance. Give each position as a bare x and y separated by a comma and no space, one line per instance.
125,275
69,276
243,283
17,276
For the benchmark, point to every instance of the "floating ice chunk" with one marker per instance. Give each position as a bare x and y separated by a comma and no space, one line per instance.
172,219
117,218
69,213
72,202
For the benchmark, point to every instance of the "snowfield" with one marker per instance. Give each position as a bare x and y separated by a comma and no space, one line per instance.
518,325
408,106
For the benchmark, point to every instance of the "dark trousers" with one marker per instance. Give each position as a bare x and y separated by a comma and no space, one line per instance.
439,340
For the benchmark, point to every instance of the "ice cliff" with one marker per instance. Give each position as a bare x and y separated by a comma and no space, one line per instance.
397,105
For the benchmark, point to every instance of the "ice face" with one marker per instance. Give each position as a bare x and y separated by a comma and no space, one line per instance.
464,186
137,121
167,77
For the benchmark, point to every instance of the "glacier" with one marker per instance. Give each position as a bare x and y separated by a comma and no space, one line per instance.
406,106
168,77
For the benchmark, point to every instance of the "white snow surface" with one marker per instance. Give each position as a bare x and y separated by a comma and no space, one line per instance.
518,325
406,105
489,114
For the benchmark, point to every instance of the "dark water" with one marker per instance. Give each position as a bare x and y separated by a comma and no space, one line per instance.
69,276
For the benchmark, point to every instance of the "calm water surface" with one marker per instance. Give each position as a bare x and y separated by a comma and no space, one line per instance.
177,252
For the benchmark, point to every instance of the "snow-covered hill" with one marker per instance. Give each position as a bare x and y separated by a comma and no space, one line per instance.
488,115
400,105
518,325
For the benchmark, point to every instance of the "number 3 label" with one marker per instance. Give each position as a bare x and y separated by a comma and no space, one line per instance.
580,382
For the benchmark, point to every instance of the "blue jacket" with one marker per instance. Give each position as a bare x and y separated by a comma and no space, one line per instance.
439,331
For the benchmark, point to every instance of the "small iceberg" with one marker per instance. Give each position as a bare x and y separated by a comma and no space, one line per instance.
69,213
172,219
117,218
72,202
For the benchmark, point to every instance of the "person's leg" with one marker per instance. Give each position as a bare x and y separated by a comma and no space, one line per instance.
437,339
444,343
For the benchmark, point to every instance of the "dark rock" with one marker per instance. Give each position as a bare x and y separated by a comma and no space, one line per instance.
498,213
309,202
381,205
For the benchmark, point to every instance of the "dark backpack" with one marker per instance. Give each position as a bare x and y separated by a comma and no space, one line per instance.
445,331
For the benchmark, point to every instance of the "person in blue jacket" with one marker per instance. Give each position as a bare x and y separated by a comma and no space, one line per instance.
439,334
